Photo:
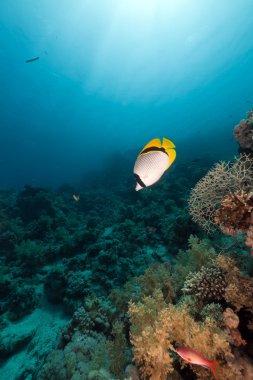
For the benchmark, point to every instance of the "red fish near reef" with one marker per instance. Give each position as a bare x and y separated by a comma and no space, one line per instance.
194,357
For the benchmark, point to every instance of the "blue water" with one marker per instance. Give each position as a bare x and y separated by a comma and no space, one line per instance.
113,74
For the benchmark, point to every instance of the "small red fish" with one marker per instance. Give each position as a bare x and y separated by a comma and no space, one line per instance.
194,357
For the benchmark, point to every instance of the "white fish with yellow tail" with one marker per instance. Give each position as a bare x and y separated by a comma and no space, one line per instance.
154,159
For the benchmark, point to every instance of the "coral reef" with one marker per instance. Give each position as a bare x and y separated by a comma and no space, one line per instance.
207,285
224,184
243,133
198,254
235,212
239,288
223,198
129,275
157,326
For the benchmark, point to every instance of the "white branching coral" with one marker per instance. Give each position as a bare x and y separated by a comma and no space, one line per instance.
223,179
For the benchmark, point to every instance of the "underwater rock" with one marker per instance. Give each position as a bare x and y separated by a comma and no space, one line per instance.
13,341
41,329
131,372
100,374
55,285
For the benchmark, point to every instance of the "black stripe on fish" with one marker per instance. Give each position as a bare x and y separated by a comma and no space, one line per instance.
154,149
139,181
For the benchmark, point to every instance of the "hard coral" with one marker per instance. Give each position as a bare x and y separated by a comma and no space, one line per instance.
209,193
243,132
199,253
235,212
208,284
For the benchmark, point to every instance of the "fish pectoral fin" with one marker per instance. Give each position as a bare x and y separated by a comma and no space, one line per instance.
168,144
153,143
172,156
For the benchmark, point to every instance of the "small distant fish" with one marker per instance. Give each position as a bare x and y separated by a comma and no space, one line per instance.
76,197
32,59
196,160
194,357
154,159
152,229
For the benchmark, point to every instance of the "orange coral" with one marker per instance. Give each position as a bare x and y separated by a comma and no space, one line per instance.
240,288
231,321
243,132
235,212
249,237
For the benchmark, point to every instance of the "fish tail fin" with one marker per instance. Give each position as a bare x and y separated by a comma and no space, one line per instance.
213,368
172,156
168,144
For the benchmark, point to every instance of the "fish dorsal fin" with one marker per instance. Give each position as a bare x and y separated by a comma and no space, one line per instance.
155,143
168,144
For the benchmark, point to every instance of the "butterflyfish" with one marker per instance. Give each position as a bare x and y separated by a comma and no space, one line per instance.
154,159
193,357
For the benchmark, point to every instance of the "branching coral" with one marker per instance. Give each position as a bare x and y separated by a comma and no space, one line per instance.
221,280
208,195
199,253
208,284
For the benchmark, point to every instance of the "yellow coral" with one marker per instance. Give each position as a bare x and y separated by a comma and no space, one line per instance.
235,212
155,326
240,288
149,336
